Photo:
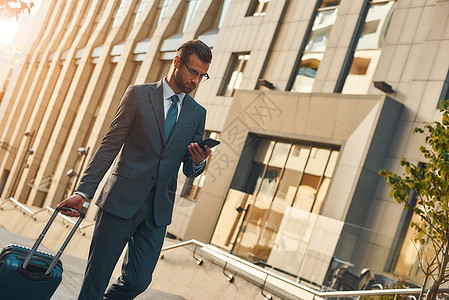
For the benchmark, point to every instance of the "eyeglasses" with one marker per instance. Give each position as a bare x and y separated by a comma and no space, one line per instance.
194,74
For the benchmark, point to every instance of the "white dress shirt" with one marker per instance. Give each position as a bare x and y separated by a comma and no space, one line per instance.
167,94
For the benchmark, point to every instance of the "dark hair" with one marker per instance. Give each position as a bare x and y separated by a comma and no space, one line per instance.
195,47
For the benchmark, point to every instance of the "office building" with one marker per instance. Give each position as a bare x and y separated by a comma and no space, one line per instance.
308,98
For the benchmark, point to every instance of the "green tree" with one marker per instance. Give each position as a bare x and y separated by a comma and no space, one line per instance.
431,186
13,8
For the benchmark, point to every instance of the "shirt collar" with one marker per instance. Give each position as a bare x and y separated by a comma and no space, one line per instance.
168,92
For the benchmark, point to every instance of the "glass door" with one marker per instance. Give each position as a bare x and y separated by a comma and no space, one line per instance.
251,242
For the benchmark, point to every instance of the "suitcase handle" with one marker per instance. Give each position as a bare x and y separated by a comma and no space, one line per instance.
44,231
64,208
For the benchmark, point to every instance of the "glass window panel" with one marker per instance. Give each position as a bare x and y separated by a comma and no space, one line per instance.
257,8
237,75
326,17
287,189
263,152
317,161
316,45
289,175
247,244
306,193
279,156
297,158
118,13
317,42
224,11
272,221
320,196
368,49
322,26
101,11
268,187
331,164
230,219
376,25
306,72
268,153
213,134
407,262
139,11
311,181
191,11
163,11
261,8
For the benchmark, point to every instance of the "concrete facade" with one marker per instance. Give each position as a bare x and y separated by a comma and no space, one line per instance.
65,91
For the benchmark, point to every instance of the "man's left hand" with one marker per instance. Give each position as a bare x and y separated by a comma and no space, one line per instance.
198,154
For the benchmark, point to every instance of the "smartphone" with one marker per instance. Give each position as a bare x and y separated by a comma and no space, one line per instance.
210,142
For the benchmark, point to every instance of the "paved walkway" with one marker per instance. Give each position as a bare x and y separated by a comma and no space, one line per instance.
73,272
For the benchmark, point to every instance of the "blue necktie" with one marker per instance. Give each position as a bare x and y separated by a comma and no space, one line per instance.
172,115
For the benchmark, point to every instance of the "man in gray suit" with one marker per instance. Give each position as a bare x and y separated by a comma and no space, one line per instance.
156,127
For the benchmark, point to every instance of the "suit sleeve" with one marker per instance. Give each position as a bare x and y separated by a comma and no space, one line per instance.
110,145
188,169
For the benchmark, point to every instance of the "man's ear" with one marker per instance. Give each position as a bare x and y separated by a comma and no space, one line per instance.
176,62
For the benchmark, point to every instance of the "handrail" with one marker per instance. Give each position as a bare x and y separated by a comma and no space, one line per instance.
264,264
33,214
315,293
23,208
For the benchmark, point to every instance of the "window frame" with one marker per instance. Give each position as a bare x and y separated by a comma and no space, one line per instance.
234,64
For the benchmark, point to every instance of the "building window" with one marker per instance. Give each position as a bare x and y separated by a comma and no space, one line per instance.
164,9
191,11
192,186
312,53
366,53
234,76
272,177
223,13
118,13
257,8
138,11
209,37
171,44
101,12
403,258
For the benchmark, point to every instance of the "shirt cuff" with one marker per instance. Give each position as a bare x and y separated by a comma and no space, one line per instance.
84,195
197,167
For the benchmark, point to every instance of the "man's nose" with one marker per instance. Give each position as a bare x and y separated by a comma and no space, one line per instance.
196,79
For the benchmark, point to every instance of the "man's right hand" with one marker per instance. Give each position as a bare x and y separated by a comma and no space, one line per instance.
74,201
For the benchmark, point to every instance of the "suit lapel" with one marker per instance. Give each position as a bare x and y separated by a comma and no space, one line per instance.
157,101
186,116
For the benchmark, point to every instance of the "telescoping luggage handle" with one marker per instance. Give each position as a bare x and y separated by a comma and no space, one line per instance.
42,235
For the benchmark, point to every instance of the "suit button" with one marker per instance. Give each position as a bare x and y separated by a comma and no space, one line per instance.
153,177
162,157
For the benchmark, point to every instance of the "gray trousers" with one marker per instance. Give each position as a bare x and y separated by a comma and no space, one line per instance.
111,234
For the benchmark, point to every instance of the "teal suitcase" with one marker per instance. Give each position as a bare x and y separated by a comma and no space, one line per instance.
26,273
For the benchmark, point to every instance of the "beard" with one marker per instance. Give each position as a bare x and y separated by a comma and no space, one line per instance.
185,86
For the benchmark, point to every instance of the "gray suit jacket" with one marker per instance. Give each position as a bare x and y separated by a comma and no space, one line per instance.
145,160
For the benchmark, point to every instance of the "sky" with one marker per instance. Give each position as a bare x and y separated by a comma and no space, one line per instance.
8,28
7,31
